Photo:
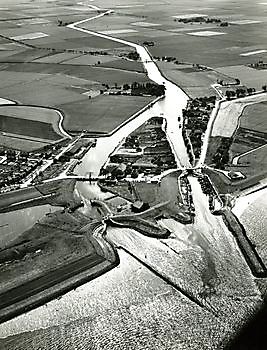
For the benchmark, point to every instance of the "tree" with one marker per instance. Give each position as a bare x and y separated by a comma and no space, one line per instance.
134,174
128,169
118,173
134,56
228,94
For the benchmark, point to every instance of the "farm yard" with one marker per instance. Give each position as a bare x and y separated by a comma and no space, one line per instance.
247,75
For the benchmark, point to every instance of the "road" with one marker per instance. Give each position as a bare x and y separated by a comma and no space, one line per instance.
49,162
205,144
228,115
60,124
236,159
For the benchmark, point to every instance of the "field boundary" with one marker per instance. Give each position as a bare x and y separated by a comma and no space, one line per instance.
57,126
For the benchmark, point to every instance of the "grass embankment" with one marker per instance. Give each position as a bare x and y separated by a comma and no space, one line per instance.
247,248
144,226
58,193
56,255
225,185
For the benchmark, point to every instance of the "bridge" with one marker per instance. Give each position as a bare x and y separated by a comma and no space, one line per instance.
85,178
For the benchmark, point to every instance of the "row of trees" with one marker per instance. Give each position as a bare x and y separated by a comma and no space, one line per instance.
139,89
201,19
258,65
241,92
147,89
221,156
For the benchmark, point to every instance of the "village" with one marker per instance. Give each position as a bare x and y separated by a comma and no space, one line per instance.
19,167
196,117
143,155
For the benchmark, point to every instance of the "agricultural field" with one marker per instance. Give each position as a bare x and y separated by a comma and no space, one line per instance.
194,81
21,143
122,64
62,66
254,117
226,127
246,150
32,113
196,43
101,114
251,135
247,75
226,49
67,86
28,128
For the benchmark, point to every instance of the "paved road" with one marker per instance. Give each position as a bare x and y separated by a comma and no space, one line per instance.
49,162
236,159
